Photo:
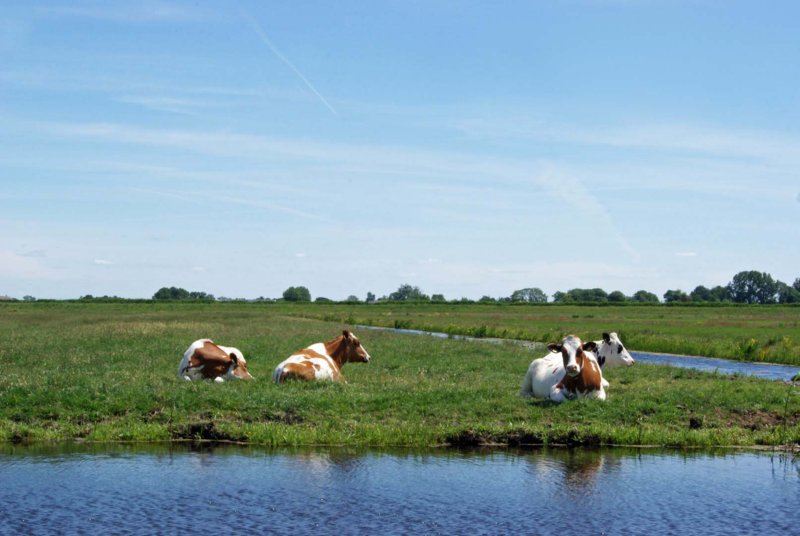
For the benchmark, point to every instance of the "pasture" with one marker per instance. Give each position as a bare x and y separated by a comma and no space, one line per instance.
107,372
741,332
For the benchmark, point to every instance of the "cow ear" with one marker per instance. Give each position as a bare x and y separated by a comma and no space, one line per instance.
590,346
346,334
235,360
553,347
607,337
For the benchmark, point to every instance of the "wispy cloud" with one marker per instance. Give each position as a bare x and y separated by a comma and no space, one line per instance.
103,262
174,105
137,12
267,41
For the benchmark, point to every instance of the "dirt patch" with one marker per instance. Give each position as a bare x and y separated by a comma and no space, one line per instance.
519,438
758,419
202,431
288,416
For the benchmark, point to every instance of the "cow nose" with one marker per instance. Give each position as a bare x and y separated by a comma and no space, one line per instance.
572,368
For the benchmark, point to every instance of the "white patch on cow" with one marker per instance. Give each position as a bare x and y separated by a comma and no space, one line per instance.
542,377
613,353
571,345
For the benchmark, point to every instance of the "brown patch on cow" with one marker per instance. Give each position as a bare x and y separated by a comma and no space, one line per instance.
298,371
346,348
589,379
214,360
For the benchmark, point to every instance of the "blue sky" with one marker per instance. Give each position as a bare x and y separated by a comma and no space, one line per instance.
468,148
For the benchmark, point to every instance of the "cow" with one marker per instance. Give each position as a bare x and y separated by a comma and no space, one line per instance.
573,374
204,360
322,360
611,353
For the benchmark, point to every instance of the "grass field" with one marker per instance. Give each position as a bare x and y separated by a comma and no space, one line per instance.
740,332
107,372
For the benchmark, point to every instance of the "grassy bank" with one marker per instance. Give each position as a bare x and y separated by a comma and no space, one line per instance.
741,332
106,372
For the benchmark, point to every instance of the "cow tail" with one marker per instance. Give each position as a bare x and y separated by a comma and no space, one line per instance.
276,376
526,389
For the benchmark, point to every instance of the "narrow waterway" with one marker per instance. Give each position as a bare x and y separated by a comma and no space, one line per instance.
769,371
233,490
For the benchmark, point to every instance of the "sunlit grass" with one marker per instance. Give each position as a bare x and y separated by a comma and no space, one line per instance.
746,333
107,372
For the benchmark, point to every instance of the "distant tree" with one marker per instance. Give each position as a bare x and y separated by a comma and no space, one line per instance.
559,297
671,296
438,298
487,299
297,294
87,297
28,298
644,296
787,294
171,293
370,297
408,293
617,296
352,299
721,294
796,284
753,287
529,295
320,299
200,296
701,294
582,295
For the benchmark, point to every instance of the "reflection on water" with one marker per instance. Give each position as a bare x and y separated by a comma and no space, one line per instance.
128,490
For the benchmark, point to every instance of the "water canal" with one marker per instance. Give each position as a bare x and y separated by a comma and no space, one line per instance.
237,490
768,371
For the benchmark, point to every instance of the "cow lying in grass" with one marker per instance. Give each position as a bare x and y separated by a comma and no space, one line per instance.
574,373
204,360
611,353
322,360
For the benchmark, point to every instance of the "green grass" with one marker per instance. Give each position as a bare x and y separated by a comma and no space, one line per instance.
107,372
741,332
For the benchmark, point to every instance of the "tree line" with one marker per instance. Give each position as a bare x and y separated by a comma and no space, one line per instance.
750,287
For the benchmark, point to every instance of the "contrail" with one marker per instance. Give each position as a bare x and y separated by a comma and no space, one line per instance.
261,34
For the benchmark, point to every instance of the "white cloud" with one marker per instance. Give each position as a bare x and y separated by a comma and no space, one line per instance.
103,262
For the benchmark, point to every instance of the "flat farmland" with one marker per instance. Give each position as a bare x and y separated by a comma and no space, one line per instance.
740,332
107,372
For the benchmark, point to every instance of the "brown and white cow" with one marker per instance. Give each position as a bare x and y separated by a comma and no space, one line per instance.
322,360
204,360
573,374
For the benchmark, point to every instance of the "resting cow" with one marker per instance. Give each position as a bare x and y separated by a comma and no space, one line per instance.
573,374
611,353
204,360
323,360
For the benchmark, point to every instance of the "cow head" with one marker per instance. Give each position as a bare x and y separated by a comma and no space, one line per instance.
353,352
611,352
572,352
238,368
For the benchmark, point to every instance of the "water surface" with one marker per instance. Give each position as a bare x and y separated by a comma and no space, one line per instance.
250,491
768,371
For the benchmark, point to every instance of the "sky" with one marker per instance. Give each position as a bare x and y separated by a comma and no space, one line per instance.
470,148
